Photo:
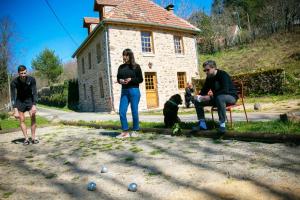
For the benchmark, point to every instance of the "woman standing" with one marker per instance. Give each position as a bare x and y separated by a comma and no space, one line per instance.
129,76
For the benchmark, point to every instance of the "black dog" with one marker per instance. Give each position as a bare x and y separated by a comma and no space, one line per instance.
171,110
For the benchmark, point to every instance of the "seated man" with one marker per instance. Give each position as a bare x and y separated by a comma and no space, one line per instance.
222,92
188,95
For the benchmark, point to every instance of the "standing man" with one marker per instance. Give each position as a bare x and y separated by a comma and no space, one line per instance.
24,97
218,90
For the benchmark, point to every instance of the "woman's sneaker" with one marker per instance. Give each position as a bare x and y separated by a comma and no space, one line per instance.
123,135
134,134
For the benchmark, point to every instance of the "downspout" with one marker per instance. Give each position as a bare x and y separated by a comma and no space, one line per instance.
111,98
197,56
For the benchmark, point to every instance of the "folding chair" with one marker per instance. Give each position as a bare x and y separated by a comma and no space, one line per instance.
240,102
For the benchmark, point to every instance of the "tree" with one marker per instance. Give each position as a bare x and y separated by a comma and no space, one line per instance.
6,35
206,37
48,65
183,8
70,70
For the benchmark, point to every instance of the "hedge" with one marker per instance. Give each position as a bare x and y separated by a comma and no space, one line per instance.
258,83
60,95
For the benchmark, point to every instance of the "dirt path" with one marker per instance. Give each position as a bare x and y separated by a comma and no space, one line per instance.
164,167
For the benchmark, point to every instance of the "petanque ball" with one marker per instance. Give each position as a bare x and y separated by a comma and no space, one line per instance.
132,187
104,169
91,186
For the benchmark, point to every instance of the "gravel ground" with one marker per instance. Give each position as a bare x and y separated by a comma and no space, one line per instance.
164,167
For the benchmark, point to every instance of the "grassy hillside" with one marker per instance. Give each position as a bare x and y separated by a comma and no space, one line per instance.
281,50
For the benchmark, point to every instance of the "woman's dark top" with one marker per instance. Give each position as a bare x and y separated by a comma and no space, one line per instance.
128,71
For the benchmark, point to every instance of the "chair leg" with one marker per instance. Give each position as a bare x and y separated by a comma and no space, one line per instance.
245,112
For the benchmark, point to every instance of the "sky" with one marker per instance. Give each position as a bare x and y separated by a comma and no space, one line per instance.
36,28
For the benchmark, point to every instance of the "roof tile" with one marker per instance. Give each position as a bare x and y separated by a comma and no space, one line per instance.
147,11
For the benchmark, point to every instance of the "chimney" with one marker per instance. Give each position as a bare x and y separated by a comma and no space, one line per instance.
170,8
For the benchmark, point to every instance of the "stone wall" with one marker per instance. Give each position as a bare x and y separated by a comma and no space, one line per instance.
164,61
91,77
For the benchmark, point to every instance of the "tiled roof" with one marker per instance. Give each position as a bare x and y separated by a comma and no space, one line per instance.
139,12
149,12
109,2
91,20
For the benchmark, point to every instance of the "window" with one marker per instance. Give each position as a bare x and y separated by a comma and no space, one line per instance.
149,82
178,45
82,65
181,80
147,42
101,87
90,60
98,52
84,91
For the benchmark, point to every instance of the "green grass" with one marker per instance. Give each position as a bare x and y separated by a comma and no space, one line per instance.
276,126
270,127
156,152
278,51
154,173
53,107
7,194
50,175
135,149
7,124
272,98
129,159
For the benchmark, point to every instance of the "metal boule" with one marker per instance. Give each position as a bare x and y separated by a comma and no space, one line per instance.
91,186
132,187
104,169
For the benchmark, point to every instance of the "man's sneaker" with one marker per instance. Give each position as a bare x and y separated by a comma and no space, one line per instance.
124,134
134,134
199,128
222,130
26,142
35,141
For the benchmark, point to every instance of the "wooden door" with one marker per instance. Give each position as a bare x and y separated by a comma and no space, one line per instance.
151,89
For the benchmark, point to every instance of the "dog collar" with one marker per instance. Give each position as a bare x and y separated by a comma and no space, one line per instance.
172,102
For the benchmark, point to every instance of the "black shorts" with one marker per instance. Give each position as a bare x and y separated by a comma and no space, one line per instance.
24,106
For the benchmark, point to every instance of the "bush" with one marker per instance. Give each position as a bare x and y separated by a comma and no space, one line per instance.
61,95
258,83
73,95
291,84
263,82
4,115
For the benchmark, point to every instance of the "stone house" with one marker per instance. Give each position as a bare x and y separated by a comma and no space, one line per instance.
164,46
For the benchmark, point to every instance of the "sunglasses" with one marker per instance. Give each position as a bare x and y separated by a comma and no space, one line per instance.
206,70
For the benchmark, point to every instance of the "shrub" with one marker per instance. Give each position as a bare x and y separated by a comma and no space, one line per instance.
4,115
263,82
61,95
258,83
73,94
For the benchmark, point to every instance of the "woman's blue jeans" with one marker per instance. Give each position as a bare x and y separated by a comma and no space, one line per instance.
132,96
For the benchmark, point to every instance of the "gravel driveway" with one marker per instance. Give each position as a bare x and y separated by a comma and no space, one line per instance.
164,167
